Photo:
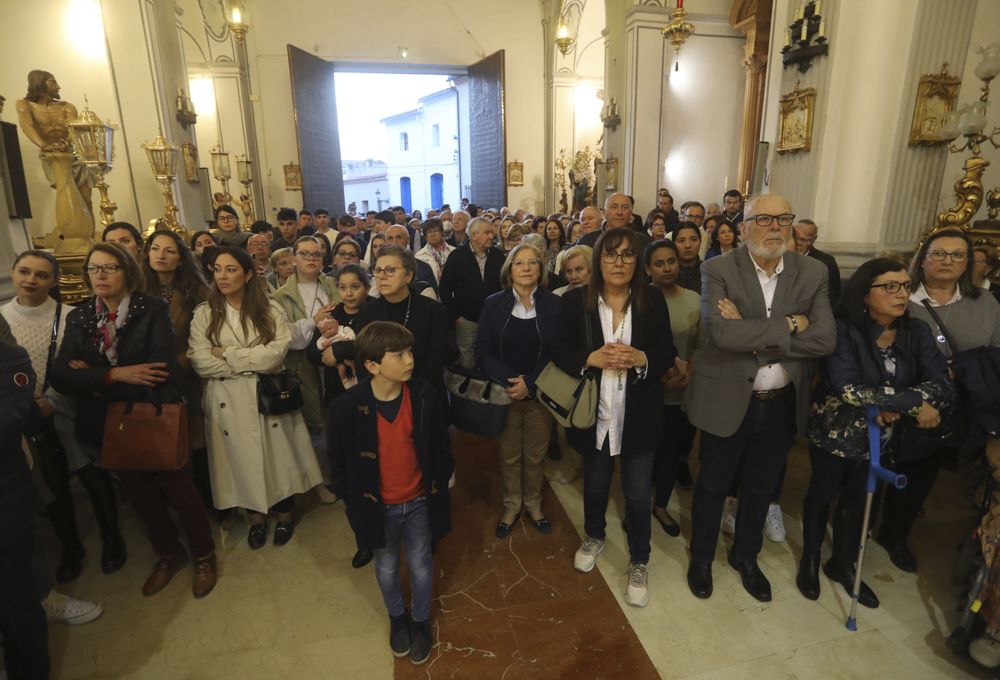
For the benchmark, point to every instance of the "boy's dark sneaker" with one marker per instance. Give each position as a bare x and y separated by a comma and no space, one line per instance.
420,642
399,634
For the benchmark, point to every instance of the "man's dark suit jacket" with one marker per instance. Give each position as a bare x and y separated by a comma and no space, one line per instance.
833,282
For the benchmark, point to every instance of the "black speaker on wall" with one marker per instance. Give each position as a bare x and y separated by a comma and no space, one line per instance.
14,186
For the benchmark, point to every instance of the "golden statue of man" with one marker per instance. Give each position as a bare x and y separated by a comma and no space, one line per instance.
43,118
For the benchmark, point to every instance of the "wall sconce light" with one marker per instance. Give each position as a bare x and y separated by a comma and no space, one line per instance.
563,39
186,115
678,31
221,170
236,18
243,172
609,115
163,160
805,38
403,52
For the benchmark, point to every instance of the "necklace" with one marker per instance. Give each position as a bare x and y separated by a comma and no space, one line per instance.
619,334
315,300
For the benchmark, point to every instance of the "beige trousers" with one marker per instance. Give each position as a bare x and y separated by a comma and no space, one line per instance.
465,338
523,444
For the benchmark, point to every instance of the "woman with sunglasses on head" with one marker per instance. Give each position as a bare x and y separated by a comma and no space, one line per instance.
630,347
942,280
119,347
258,461
882,358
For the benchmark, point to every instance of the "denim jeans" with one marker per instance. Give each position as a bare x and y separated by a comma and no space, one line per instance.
637,478
409,524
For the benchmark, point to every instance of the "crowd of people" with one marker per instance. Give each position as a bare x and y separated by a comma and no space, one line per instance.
722,321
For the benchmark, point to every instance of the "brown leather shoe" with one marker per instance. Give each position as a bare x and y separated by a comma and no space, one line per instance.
206,573
163,572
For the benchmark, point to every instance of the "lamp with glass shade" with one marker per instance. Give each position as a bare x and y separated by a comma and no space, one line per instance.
163,160
93,142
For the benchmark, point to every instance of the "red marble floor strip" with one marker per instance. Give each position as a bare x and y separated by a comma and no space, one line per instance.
516,608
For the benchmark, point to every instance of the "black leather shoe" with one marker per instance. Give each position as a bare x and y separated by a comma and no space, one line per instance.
684,480
283,532
113,554
754,581
700,579
672,528
362,557
71,565
257,536
899,554
845,577
808,577
504,528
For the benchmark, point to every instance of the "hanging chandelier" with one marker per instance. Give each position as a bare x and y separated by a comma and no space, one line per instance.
678,30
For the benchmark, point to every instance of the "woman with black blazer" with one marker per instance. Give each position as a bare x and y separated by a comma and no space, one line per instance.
515,332
883,358
119,346
629,348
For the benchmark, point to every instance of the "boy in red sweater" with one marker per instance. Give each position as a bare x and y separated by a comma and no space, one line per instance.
390,461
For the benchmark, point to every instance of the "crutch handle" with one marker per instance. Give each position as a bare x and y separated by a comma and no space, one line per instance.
888,476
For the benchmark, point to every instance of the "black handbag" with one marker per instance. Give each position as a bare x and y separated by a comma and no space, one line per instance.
278,393
478,405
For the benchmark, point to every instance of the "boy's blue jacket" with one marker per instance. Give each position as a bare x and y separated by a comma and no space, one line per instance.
352,446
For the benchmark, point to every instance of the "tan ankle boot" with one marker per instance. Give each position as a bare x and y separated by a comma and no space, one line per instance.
206,574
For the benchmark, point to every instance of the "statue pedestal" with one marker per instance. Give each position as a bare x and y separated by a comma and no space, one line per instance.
70,253
73,217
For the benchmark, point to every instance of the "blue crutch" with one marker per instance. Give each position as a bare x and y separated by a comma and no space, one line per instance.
875,473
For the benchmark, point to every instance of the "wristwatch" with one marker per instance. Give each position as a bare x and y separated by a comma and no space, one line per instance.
795,324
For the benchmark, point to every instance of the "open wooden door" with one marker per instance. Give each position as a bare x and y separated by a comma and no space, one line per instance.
488,132
315,105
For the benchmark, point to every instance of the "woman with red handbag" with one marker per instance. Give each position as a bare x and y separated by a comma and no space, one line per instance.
118,348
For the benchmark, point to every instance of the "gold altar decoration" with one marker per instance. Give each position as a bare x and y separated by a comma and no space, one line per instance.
93,142
611,174
190,154
163,160
293,177
795,124
222,171
970,121
515,174
678,31
937,95
562,166
245,175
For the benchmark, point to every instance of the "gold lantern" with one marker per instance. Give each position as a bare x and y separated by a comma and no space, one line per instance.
237,20
222,171
245,175
163,160
93,142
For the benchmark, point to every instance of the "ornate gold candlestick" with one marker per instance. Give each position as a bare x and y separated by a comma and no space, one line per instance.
221,171
93,142
163,160
244,173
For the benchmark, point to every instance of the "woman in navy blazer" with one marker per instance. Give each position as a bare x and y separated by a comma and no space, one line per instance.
516,330
630,348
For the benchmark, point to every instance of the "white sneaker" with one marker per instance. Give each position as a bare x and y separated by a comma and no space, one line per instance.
728,525
451,480
325,496
637,592
586,554
64,609
985,651
567,477
774,524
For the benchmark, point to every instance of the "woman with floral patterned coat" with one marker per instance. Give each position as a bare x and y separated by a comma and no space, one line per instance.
883,358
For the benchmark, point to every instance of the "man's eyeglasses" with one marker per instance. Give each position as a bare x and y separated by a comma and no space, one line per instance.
763,220
106,268
610,257
940,255
893,287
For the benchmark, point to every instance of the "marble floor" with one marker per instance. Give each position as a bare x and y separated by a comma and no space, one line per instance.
515,608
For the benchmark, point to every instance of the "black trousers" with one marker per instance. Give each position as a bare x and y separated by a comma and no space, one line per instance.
757,451
23,626
901,506
678,435
833,476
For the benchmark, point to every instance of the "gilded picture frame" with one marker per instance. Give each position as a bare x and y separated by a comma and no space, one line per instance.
190,154
293,177
515,174
795,122
937,95
611,174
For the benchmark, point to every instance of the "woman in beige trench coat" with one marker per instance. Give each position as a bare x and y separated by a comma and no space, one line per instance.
257,462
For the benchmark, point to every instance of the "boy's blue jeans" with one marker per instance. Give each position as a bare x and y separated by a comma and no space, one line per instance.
406,524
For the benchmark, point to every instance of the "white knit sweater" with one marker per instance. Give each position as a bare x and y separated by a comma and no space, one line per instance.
32,328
